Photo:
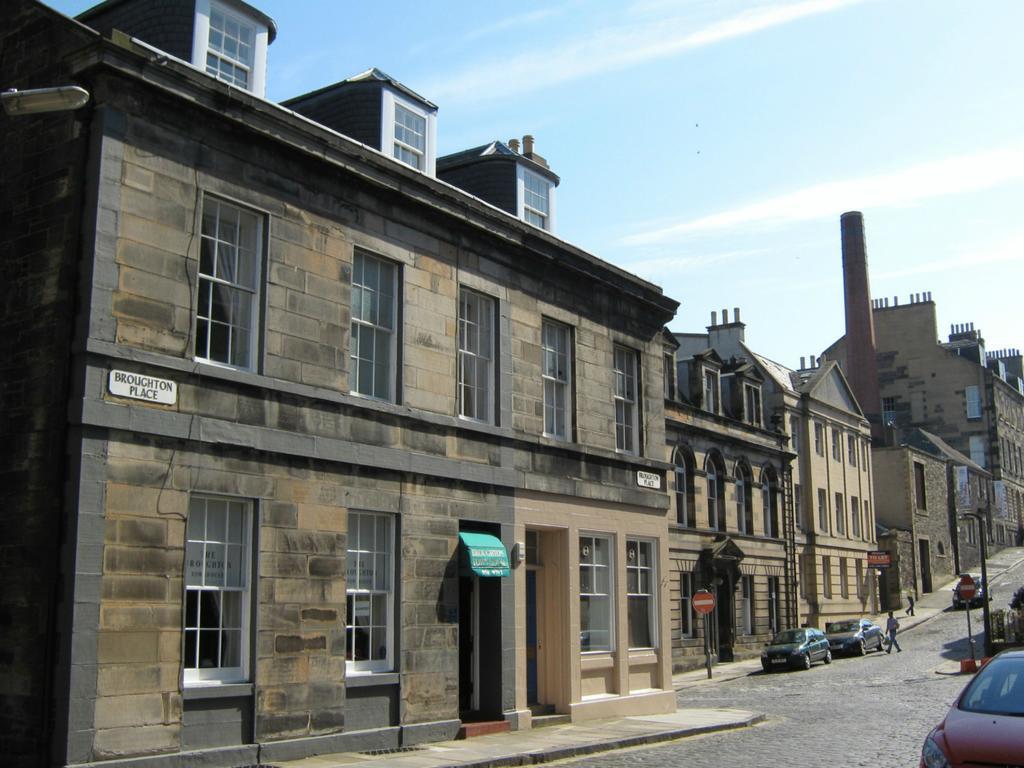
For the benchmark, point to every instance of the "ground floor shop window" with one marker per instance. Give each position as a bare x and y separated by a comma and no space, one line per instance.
370,604
595,593
640,581
217,555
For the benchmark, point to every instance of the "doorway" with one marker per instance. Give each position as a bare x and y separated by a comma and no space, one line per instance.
924,556
725,620
532,633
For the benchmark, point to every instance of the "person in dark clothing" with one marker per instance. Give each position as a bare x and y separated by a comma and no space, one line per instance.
910,603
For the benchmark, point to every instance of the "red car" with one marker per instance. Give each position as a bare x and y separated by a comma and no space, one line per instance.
985,725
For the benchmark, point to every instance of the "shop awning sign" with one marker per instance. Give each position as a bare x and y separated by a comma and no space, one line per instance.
486,554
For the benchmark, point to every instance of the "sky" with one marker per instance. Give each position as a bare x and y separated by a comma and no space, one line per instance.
710,146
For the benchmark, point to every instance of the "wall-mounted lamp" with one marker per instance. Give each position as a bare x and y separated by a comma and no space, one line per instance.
35,100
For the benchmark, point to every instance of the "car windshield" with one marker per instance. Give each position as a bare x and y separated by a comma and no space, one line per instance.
997,690
787,636
844,626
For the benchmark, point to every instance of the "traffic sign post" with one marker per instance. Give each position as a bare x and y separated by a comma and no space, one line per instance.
967,589
703,602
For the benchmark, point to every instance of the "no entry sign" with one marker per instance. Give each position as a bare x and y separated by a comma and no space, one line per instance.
703,602
967,587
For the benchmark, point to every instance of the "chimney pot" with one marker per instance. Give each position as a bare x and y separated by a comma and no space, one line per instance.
802,363
895,301
736,314
513,144
714,319
812,361
527,144
725,317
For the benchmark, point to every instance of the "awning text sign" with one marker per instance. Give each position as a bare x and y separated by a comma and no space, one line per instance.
138,386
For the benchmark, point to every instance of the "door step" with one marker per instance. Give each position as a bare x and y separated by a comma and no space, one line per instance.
545,721
483,728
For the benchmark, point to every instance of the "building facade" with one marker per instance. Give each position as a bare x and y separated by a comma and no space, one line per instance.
346,457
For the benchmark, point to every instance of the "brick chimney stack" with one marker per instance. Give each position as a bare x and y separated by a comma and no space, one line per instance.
861,367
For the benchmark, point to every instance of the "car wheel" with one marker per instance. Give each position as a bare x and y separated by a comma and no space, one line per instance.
766,668
805,663
861,649
828,656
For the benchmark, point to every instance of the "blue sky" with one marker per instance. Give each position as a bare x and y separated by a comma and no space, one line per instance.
711,145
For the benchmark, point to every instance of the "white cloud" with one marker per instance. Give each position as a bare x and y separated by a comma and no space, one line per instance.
662,268
1008,249
948,176
616,47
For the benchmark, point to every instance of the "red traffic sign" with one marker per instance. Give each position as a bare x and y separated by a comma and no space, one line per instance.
967,587
703,602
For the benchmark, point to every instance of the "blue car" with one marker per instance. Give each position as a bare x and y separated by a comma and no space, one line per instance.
854,636
796,649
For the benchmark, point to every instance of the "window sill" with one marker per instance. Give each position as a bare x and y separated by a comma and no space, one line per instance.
370,679
196,691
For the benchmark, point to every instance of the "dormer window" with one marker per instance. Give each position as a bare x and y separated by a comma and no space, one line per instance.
752,404
410,136
711,390
535,199
408,130
230,45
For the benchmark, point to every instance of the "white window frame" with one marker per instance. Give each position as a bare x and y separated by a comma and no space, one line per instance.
972,397
374,321
641,587
686,620
686,515
598,592
530,213
709,376
389,143
257,66
626,399
223,255
794,432
715,490
381,575
976,446
202,566
476,356
746,605
888,411
556,375
752,404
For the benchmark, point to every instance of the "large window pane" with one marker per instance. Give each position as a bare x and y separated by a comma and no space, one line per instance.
369,609
372,341
595,593
476,365
555,351
640,580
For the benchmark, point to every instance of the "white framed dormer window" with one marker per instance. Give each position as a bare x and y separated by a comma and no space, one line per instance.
230,45
752,403
217,591
625,400
536,199
369,588
409,132
227,309
373,344
556,372
711,390
476,356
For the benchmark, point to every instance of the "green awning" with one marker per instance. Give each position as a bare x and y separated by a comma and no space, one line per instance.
487,555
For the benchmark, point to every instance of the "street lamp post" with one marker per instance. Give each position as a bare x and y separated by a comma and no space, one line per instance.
986,616
35,100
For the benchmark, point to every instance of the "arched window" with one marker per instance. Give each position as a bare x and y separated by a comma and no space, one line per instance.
770,503
686,513
744,498
715,471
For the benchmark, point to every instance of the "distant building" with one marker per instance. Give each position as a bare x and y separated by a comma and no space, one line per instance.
972,400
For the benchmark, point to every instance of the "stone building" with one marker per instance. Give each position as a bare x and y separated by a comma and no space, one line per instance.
307,450
971,399
732,529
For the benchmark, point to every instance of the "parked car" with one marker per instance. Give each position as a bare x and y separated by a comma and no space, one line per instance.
983,726
980,595
854,636
797,649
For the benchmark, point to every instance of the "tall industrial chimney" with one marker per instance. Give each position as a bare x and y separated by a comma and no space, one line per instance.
861,367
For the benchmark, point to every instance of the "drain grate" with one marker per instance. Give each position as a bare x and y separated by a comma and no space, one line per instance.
391,751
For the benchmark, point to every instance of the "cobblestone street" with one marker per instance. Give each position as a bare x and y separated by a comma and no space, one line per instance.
873,711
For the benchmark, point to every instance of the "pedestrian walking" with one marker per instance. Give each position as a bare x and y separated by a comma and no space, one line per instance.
891,628
910,603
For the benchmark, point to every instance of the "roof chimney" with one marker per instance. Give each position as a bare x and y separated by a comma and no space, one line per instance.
725,317
714,319
861,367
735,314
513,144
527,144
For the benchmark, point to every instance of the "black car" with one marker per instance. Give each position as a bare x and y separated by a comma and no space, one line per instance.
796,649
854,636
976,601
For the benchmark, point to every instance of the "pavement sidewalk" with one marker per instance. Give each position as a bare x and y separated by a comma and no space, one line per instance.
541,745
